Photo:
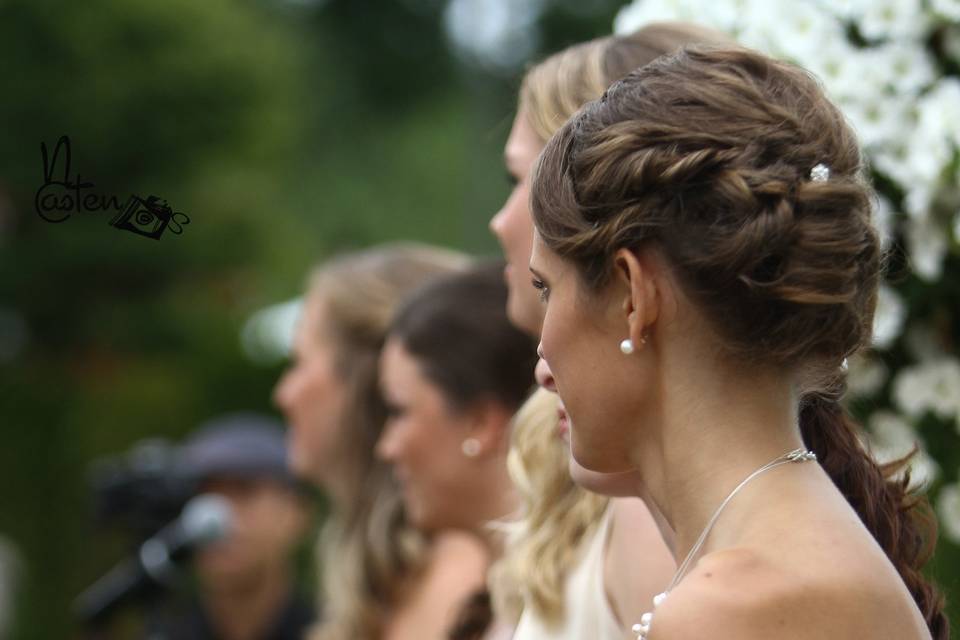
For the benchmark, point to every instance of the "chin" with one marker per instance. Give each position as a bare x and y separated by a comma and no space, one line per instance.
298,465
593,461
418,517
621,484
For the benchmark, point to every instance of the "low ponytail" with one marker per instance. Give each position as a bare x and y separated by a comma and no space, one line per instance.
900,520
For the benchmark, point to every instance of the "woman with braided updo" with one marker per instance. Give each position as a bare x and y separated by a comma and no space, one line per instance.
578,564
707,262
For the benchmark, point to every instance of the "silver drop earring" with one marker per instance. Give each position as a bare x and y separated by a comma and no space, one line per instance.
626,347
470,447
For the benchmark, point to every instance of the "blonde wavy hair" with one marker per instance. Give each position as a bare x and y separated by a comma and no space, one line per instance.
558,514
368,554
545,543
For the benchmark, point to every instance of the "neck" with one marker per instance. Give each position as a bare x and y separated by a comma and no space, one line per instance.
716,428
495,501
243,609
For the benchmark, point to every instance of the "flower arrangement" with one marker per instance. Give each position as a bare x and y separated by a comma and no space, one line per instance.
893,67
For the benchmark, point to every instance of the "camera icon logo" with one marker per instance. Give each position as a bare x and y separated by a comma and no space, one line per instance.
149,217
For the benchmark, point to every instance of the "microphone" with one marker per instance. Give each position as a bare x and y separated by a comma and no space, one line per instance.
204,519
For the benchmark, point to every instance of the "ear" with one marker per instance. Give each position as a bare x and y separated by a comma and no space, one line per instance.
489,425
636,272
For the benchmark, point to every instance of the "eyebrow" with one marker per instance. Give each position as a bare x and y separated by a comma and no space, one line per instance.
536,273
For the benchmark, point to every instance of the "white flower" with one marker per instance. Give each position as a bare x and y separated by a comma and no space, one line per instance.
928,245
939,111
888,319
878,120
911,392
896,19
948,508
922,343
846,9
642,12
932,386
865,375
797,30
906,67
890,438
837,63
949,9
946,389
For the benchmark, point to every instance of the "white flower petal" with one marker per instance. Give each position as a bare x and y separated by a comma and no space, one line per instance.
948,508
889,317
928,246
865,375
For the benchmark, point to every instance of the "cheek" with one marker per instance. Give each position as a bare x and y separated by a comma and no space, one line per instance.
588,378
517,227
430,459
318,408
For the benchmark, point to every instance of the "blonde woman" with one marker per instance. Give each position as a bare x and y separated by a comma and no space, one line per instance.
379,577
571,563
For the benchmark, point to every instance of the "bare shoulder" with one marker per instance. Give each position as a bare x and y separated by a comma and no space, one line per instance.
637,563
744,595
455,569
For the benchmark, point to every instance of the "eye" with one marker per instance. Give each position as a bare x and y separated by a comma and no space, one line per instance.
543,291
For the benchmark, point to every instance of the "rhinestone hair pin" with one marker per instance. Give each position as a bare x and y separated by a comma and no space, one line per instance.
820,173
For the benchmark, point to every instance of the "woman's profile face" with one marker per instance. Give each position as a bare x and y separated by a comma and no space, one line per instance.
615,485
600,388
513,225
422,440
311,395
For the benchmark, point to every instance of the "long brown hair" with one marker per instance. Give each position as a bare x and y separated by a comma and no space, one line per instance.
558,514
708,154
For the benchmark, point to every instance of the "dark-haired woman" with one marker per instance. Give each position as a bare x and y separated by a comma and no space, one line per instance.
706,256
453,372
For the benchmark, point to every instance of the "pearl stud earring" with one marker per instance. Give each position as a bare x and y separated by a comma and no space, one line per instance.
470,447
626,347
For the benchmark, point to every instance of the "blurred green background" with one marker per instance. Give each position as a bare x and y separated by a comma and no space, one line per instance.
286,130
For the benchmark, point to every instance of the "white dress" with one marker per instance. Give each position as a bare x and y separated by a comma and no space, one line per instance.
587,612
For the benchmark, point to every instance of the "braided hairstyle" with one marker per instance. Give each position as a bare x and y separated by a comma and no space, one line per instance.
708,154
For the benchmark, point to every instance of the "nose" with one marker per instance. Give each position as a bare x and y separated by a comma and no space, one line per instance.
496,222
543,374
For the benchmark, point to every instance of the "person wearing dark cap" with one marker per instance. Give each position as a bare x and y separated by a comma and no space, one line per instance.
245,582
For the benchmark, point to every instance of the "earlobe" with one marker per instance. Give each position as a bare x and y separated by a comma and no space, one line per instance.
640,301
489,429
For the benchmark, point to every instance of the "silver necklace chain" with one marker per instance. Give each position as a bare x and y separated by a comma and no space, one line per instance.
797,455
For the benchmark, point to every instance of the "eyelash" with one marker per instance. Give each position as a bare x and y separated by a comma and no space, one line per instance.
542,289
